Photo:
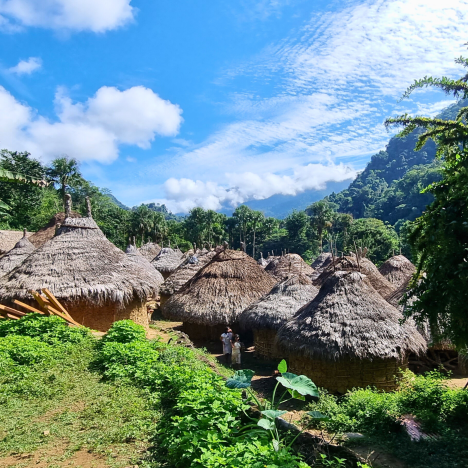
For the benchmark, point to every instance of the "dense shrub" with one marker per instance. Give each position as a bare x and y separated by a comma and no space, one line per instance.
24,350
50,330
125,331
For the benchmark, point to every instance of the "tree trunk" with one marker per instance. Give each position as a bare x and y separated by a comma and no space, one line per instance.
253,248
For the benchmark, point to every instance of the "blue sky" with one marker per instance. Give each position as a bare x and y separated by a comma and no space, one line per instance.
212,104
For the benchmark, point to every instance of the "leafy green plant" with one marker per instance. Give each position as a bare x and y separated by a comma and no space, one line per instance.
24,351
125,331
334,463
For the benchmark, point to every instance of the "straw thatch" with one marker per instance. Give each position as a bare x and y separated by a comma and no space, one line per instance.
184,273
397,270
48,231
94,279
365,266
349,336
8,239
150,251
275,308
167,261
136,257
322,261
16,255
286,265
220,291
263,262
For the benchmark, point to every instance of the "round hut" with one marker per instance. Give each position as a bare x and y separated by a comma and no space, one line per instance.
48,231
167,261
349,336
184,272
289,264
217,294
262,261
136,257
397,270
322,261
8,239
266,316
362,265
91,277
150,250
16,255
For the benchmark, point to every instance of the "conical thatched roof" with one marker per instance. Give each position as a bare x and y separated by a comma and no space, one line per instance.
136,257
16,255
185,271
79,263
397,270
380,284
220,291
275,308
150,251
48,231
167,260
322,261
289,264
349,320
8,239
262,261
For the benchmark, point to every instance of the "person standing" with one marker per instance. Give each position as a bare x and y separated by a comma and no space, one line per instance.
226,339
236,352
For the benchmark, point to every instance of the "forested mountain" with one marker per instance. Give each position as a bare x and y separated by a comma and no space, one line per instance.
389,187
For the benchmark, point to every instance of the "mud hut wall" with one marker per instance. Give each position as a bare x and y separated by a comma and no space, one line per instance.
265,346
341,376
198,332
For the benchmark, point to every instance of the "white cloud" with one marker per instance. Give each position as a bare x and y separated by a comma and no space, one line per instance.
73,15
131,159
26,67
92,130
184,194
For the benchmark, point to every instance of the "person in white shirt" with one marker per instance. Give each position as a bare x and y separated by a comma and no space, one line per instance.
236,351
226,339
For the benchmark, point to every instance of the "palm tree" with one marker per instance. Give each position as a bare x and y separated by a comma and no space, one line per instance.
62,172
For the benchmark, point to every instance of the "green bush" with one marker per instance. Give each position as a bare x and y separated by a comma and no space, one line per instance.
23,351
125,331
50,329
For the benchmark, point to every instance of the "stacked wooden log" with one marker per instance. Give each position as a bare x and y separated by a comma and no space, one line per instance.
48,305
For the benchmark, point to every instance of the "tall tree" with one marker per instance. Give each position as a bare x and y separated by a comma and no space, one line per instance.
63,172
321,218
440,235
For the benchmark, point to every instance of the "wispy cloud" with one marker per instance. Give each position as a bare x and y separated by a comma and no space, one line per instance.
26,67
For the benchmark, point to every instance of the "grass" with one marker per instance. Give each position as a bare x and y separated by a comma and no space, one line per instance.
63,413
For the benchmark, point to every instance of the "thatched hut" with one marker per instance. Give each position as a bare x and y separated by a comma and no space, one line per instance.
362,265
263,262
16,255
150,250
397,270
93,279
48,231
8,239
289,264
217,294
322,261
184,272
349,336
167,261
136,257
266,316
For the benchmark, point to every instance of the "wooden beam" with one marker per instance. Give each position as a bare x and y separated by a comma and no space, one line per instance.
28,307
55,303
40,300
53,311
12,311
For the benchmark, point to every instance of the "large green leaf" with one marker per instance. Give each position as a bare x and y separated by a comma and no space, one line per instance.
295,394
272,414
318,416
282,367
4,206
300,383
267,424
241,379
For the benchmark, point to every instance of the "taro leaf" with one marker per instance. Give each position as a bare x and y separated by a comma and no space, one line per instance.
276,445
241,379
300,383
282,367
267,424
272,414
318,416
295,394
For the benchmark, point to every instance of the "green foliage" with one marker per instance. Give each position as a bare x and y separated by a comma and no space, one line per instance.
125,331
63,172
23,351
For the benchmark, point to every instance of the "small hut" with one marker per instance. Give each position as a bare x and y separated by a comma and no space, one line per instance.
167,261
322,261
8,239
48,231
93,279
349,336
217,294
362,265
150,250
136,257
266,316
16,255
289,264
397,270
184,272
